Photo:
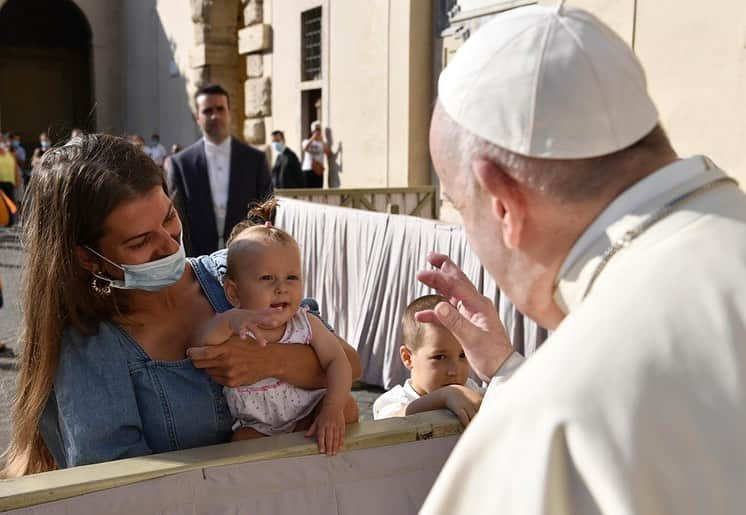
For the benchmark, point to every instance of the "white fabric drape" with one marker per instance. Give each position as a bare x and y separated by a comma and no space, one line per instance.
361,267
392,479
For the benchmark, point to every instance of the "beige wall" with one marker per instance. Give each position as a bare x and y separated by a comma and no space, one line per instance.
133,43
694,55
155,32
103,17
376,85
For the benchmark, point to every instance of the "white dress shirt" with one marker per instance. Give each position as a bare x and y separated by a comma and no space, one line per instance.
219,172
636,403
390,403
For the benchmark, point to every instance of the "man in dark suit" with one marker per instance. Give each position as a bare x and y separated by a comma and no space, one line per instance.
286,173
214,180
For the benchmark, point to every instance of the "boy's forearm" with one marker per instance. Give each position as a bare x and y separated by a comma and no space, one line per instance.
428,402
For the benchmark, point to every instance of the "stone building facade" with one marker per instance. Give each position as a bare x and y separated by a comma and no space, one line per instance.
366,69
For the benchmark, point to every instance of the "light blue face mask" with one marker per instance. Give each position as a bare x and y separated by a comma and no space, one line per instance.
279,147
152,276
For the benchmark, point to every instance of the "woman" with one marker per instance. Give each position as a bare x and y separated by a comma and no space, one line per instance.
105,371
314,150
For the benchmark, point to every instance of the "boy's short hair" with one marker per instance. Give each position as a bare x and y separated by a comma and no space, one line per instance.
411,328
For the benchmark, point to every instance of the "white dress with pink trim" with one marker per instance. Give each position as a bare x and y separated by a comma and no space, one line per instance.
271,406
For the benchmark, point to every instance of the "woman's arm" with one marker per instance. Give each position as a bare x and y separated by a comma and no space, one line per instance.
238,362
93,406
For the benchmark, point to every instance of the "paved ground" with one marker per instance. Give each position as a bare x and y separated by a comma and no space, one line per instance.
10,259
10,317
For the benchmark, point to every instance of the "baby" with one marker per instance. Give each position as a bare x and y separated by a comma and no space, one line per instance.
264,271
438,367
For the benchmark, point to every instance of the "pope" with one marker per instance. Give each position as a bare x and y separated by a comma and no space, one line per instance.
547,142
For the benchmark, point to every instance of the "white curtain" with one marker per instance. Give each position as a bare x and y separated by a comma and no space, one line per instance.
361,267
386,480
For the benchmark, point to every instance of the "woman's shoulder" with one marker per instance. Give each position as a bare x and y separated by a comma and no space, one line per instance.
210,270
101,348
214,264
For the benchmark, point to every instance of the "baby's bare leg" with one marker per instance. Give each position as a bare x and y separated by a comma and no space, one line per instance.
246,433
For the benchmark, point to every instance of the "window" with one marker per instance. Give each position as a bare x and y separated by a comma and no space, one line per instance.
311,44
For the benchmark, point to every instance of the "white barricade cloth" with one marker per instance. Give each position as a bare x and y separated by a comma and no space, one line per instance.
382,480
362,266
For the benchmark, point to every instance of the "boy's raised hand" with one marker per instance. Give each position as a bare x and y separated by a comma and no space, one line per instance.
462,401
329,428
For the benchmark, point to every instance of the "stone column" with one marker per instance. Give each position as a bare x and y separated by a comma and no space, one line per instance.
254,42
214,59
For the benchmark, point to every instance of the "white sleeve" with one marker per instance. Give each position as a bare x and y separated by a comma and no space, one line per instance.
506,370
389,404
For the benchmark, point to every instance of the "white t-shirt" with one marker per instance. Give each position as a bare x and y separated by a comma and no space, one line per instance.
391,402
315,151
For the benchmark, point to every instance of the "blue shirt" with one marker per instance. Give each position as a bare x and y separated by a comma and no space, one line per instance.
110,400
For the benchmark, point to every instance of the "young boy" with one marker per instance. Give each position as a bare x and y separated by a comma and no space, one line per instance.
438,367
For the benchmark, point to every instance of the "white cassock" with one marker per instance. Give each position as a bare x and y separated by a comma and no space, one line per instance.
637,402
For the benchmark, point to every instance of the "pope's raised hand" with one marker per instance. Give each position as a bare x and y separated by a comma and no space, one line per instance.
470,316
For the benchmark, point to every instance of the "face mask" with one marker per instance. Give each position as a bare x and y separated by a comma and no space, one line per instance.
154,143
279,147
16,144
152,276
45,145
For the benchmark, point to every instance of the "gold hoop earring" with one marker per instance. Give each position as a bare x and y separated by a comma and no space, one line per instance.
104,290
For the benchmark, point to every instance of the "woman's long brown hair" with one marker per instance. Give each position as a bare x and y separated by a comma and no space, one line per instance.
71,193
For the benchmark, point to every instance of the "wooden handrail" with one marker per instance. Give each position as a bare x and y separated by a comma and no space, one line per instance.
63,484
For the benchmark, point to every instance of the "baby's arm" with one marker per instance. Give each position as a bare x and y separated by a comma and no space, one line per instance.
462,401
240,322
330,424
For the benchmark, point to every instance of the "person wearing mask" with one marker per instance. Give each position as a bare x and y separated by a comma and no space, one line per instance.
44,144
286,173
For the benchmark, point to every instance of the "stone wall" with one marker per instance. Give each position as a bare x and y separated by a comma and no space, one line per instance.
254,42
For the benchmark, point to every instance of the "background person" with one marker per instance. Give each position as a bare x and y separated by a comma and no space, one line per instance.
156,150
314,150
286,173
214,180
578,206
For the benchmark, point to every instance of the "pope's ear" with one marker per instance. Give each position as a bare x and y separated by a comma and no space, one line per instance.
506,199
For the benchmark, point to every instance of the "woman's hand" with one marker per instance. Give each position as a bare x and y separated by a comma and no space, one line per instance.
329,428
470,317
236,362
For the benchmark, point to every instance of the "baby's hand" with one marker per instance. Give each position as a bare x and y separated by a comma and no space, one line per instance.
462,401
244,323
329,428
